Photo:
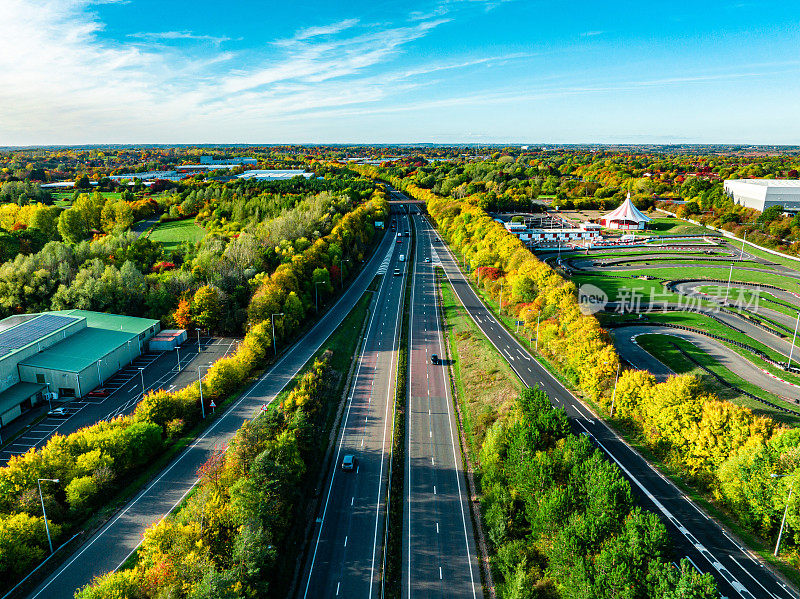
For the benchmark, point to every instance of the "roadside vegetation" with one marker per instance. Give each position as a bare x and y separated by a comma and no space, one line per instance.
97,460
711,443
560,519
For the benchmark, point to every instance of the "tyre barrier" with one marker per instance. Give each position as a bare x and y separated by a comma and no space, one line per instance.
732,386
745,346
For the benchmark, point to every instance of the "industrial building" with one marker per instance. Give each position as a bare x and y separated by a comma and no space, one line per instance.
67,353
761,194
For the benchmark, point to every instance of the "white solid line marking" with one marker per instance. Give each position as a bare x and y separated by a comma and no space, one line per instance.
437,528
440,572
345,541
352,499
337,588
434,489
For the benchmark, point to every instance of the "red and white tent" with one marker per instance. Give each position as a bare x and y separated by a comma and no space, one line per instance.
626,216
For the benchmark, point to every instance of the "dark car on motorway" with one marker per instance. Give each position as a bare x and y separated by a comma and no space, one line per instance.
434,358
348,462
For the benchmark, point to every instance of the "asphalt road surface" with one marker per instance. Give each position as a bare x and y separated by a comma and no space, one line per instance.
108,548
346,555
694,534
439,557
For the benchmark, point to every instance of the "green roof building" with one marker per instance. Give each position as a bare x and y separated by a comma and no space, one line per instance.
68,353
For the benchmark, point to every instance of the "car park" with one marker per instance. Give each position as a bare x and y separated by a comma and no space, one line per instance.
348,462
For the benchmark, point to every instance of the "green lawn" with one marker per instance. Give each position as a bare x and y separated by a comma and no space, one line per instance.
663,347
172,234
486,384
671,226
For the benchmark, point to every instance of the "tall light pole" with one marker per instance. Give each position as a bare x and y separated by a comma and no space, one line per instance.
341,271
741,256
537,332
785,511
274,346
141,372
614,395
728,289
49,401
200,382
178,350
198,340
794,337
316,295
502,283
44,513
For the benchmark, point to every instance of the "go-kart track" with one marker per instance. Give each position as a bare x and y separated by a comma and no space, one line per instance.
737,307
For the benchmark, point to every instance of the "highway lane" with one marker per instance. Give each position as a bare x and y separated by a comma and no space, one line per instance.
346,556
695,535
439,556
108,548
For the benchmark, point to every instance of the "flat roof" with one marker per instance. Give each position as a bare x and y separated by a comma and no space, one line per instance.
767,182
79,351
16,394
112,322
31,330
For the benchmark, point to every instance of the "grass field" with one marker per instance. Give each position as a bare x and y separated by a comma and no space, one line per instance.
671,226
663,347
487,387
172,234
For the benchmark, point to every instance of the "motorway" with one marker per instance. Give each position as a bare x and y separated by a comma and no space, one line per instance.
108,548
346,555
694,534
439,556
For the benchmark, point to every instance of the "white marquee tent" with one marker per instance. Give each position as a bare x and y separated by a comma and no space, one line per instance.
626,216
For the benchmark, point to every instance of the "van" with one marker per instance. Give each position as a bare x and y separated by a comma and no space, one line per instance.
402,258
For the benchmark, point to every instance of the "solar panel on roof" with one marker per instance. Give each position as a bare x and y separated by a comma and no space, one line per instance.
31,331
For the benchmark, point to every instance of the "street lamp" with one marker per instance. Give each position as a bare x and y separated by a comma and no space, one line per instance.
785,511
341,271
728,288
141,372
316,295
614,395
794,337
274,346
200,382
502,283
49,401
41,497
537,332
178,350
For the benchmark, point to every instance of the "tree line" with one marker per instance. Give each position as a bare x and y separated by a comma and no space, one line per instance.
724,450
97,460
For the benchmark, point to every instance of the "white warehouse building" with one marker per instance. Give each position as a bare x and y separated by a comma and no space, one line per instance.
761,194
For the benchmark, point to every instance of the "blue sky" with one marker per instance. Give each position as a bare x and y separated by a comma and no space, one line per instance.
446,71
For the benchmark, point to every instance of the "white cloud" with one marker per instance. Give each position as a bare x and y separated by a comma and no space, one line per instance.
61,82
179,35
